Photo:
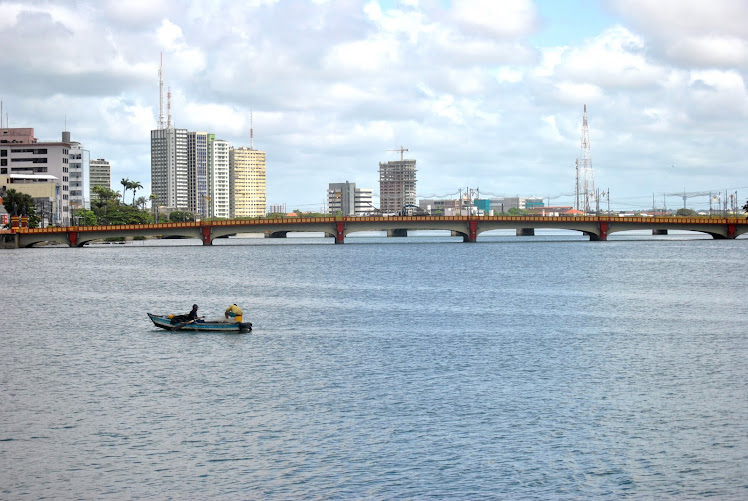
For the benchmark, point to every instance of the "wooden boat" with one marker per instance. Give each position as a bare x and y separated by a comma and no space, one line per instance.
164,322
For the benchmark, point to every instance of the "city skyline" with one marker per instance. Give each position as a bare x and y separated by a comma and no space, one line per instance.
482,94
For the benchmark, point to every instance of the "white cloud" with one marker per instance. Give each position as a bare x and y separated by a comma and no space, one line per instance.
692,32
334,84
616,58
504,19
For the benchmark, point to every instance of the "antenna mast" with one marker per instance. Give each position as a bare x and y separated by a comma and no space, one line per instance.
161,93
251,132
168,106
587,177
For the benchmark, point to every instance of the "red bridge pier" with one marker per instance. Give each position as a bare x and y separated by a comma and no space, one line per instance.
339,232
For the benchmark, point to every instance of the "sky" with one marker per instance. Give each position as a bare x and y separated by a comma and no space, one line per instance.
484,94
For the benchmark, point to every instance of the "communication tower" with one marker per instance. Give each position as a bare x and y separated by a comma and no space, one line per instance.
161,124
585,185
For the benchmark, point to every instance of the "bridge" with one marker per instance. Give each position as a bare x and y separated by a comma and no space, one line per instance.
598,228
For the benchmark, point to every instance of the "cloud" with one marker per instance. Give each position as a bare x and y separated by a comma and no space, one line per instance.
692,32
508,19
332,85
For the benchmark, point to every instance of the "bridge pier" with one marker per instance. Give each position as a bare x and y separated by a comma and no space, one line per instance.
73,238
206,235
525,232
339,232
400,232
276,234
472,234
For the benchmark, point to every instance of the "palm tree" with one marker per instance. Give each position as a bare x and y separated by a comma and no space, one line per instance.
140,203
135,186
126,185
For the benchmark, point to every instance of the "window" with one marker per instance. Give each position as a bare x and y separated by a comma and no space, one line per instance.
3,153
4,171
4,162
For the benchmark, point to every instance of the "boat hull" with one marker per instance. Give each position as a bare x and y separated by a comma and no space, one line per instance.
164,322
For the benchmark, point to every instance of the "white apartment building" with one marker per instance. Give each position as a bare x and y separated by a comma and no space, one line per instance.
197,172
79,174
219,189
169,168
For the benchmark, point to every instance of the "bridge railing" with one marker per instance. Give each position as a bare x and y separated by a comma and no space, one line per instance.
405,219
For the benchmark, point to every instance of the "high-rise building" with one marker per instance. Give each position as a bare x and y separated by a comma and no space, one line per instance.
397,185
247,182
79,174
218,186
99,175
169,168
21,154
197,172
349,200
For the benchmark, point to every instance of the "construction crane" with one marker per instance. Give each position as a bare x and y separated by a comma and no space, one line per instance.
401,150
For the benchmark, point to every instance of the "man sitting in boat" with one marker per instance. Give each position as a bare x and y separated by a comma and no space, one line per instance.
190,317
234,313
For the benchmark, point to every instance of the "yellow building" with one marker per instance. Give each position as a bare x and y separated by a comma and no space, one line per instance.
247,182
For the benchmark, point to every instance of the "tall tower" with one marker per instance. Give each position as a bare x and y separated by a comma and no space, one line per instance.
585,186
161,94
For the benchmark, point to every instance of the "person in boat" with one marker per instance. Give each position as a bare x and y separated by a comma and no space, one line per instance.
188,318
234,313
192,315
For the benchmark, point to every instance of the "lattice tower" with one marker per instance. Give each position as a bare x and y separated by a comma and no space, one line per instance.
586,176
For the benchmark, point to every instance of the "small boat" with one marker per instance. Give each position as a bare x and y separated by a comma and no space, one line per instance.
164,322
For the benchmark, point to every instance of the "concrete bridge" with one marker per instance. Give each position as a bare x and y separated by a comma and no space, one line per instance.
469,227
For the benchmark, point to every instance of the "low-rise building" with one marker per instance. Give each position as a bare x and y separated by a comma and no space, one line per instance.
43,188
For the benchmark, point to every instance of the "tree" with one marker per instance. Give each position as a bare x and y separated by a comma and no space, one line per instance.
87,217
140,203
135,186
745,207
126,185
686,213
180,217
21,204
127,214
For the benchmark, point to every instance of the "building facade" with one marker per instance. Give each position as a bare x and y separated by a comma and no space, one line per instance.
169,168
346,199
397,185
247,182
100,174
23,155
79,174
197,173
219,186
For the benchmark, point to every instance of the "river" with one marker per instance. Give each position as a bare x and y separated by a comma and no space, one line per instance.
421,367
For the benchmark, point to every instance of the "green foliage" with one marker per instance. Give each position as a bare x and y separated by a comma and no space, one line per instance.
21,204
86,217
126,214
745,207
516,212
686,213
179,216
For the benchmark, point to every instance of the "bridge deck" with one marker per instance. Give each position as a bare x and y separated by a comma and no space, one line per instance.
469,227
